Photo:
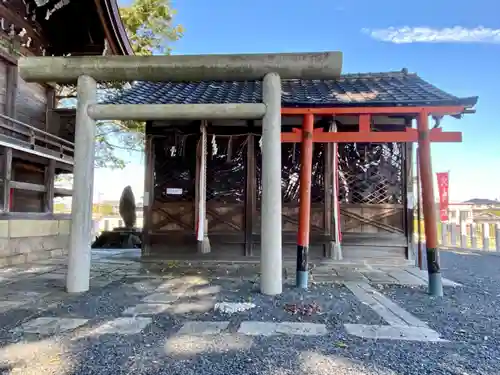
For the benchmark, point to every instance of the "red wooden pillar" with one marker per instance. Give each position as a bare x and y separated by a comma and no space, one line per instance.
306,153
419,216
428,206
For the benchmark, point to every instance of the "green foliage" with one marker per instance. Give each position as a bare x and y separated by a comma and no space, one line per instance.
60,208
151,30
103,209
150,26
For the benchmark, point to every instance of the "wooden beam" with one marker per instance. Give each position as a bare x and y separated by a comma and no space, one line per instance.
34,216
197,186
7,57
11,91
60,192
328,210
365,123
27,186
408,194
25,147
7,175
51,104
433,110
10,15
50,172
409,135
148,199
250,192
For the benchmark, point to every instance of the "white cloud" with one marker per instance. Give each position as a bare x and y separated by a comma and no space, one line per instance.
455,34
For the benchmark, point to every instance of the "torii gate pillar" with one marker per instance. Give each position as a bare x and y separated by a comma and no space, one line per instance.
78,277
428,205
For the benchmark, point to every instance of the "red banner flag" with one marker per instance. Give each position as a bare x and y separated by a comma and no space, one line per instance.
443,186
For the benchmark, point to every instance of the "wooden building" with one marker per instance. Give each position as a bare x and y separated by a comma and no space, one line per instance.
34,146
374,179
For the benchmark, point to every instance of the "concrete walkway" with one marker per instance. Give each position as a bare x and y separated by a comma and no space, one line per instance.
151,317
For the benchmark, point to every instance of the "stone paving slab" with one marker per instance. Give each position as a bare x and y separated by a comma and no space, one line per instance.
202,328
146,309
161,298
254,328
51,325
379,277
9,305
388,310
392,332
122,326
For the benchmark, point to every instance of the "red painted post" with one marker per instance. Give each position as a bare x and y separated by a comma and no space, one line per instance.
419,216
306,153
428,206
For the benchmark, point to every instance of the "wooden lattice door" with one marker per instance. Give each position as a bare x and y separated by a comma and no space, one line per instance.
371,184
290,185
172,211
226,181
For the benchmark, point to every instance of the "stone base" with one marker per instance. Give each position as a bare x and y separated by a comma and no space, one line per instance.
127,230
28,240
204,246
336,251
119,238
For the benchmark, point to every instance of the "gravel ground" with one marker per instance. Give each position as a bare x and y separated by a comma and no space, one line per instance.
465,316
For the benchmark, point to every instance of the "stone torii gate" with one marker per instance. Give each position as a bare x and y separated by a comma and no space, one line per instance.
87,71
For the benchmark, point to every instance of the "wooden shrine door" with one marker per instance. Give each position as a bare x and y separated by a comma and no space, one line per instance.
226,181
372,184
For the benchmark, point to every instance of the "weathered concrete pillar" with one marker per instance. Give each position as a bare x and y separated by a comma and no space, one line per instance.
78,277
271,252
444,234
497,237
486,236
473,235
463,234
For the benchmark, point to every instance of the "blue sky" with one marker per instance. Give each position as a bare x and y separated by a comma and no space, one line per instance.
452,44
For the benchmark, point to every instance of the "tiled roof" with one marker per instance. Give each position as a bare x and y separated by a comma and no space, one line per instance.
370,89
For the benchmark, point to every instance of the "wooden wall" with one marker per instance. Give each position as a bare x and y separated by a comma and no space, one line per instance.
25,200
26,102
3,85
31,104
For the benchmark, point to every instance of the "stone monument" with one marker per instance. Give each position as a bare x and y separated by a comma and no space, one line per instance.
127,236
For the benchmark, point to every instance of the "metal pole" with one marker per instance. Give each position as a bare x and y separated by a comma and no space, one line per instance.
429,207
306,153
79,258
271,242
